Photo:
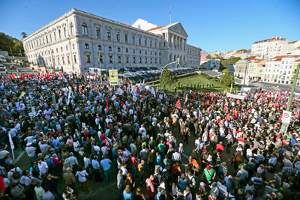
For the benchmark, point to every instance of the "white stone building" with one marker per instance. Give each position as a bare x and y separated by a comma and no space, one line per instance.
77,41
271,47
286,68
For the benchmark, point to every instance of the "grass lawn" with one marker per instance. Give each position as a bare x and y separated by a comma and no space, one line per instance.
195,79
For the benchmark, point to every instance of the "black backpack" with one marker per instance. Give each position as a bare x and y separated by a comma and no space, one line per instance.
16,174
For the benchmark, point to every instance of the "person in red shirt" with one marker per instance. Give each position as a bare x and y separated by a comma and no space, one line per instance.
150,187
176,170
134,164
220,147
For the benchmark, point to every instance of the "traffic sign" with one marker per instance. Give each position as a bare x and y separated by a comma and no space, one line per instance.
286,117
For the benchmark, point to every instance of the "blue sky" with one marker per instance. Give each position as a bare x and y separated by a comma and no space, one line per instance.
211,24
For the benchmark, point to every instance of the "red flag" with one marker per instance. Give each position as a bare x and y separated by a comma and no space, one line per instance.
31,75
4,78
13,75
138,90
74,84
206,94
107,108
140,111
178,104
227,117
23,75
193,93
60,74
122,116
201,92
122,104
20,78
288,92
116,98
8,76
207,102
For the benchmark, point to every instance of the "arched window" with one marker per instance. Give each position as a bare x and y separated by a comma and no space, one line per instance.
84,28
86,46
72,28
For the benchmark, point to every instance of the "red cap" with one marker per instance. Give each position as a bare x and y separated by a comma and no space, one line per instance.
208,167
41,138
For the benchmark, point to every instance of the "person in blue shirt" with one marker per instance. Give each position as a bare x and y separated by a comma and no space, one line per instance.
106,166
127,194
96,169
158,157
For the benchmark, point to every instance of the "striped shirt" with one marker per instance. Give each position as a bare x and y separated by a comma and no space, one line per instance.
289,171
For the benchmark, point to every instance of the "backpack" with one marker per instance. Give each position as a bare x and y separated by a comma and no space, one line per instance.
16,174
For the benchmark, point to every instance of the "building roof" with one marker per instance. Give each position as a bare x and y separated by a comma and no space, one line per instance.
159,27
260,60
293,42
271,39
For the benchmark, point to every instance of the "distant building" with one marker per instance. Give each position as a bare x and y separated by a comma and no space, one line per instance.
230,67
287,68
271,47
79,40
4,53
211,64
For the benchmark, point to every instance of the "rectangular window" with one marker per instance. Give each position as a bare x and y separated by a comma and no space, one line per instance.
63,60
119,59
98,32
68,58
140,60
133,39
140,41
126,50
59,34
146,60
150,43
88,59
127,60
108,35
126,38
133,59
145,42
110,59
75,61
118,37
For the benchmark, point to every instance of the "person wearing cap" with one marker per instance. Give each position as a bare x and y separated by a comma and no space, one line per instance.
209,173
30,150
69,178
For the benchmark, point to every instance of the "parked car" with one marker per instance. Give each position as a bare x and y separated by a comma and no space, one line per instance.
2,67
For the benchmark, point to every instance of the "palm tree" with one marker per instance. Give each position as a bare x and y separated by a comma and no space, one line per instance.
24,35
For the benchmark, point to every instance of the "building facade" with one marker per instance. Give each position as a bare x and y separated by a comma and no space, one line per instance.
287,69
78,41
271,47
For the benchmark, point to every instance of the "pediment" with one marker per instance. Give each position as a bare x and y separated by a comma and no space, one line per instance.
179,29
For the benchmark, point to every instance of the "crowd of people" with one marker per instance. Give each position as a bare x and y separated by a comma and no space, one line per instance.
189,145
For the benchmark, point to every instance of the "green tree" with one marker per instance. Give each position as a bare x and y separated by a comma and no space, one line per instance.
167,78
225,71
24,35
227,79
8,43
208,56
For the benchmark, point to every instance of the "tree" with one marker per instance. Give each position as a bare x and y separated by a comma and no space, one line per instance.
10,44
24,35
225,71
208,56
167,78
227,79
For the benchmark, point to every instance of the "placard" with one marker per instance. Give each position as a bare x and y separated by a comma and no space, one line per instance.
286,117
113,77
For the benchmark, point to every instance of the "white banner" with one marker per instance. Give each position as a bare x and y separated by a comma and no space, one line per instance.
296,94
286,117
235,96
11,141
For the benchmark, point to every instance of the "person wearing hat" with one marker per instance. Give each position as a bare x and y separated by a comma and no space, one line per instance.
209,173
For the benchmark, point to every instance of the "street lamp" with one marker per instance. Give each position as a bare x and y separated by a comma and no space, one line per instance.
165,67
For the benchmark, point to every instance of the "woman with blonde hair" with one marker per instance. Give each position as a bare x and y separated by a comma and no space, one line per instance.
127,194
139,195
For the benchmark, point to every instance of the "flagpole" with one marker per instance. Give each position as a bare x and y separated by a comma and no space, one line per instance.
170,14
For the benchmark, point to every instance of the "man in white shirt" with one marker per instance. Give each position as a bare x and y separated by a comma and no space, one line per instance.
72,160
43,167
176,156
30,150
133,147
97,148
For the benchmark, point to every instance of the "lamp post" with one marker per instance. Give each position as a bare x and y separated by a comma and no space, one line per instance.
165,67
285,126
100,68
